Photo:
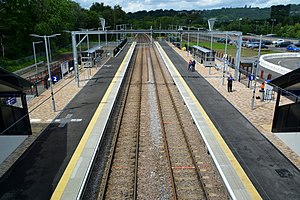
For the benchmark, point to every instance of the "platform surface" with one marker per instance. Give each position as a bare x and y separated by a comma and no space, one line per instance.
37,172
272,174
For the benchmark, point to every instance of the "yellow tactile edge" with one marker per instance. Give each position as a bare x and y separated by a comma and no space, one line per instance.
73,162
239,170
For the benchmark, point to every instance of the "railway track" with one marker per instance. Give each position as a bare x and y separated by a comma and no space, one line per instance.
121,180
156,152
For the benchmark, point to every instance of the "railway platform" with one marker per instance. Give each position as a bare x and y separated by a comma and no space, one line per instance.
270,171
261,161
43,156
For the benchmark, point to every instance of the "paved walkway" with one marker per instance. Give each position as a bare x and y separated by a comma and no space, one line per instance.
41,112
262,114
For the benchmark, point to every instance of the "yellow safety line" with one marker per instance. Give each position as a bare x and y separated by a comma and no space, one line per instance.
236,165
70,168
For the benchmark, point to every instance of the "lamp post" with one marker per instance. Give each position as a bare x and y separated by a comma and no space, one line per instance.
49,50
99,37
188,38
256,72
198,37
180,32
240,23
34,55
211,23
106,35
225,60
48,64
256,26
272,20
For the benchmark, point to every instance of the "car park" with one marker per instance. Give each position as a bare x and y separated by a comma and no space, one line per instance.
223,40
263,46
267,42
246,41
254,45
293,48
278,41
297,44
283,44
251,44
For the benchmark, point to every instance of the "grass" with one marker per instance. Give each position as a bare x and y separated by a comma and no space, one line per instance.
11,65
231,49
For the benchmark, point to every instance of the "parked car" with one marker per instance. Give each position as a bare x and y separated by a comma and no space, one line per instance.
297,44
283,44
292,47
267,42
249,40
278,41
263,46
251,44
244,42
223,40
255,45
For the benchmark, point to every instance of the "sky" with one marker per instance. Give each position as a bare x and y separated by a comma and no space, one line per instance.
133,6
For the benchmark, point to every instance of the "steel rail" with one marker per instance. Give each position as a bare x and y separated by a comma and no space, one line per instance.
164,136
110,160
199,176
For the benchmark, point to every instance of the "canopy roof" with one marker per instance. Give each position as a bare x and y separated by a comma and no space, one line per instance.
10,82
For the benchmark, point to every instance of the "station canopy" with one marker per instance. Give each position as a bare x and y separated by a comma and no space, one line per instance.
11,83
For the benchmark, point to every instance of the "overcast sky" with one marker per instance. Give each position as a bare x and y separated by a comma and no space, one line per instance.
133,6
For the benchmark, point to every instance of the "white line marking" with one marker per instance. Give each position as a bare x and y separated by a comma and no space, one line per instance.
35,120
76,168
76,120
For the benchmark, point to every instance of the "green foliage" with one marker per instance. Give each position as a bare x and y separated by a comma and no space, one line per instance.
20,18
228,14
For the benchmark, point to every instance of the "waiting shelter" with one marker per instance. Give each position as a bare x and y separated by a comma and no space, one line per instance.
14,118
287,117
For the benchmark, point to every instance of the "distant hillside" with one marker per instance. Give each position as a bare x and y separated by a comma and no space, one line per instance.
223,14
227,14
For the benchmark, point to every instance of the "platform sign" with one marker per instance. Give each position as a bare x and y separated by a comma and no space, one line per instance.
64,68
54,79
11,101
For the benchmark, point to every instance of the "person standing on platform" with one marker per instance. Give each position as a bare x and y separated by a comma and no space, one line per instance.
262,87
262,90
190,65
229,83
193,65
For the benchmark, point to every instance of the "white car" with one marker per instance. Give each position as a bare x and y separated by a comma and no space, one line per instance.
278,41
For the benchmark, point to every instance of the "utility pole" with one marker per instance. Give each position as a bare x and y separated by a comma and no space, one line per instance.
273,20
256,72
225,60
48,64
